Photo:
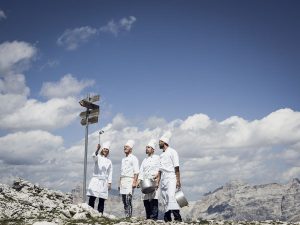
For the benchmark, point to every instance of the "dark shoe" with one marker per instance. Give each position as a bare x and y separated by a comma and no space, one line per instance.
177,216
167,216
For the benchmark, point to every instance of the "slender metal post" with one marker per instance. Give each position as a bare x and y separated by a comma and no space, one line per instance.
85,156
85,162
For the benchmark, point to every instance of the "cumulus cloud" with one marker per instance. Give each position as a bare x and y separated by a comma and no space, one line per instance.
50,115
27,147
67,86
15,56
124,24
24,113
2,15
72,38
211,152
14,84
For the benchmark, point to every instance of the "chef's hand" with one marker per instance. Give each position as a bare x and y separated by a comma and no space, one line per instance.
178,184
98,148
134,184
156,185
109,186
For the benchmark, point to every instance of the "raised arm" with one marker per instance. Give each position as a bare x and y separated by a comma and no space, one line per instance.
96,153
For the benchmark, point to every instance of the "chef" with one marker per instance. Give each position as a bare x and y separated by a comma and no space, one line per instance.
149,170
102,177
169,178
129,176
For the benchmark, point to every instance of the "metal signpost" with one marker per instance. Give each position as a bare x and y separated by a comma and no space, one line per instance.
89,116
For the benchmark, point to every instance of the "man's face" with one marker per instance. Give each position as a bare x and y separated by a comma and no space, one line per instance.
161,144
127,149
105,152
149,150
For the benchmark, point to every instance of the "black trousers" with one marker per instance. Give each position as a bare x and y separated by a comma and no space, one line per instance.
127,201
176,213
151,208
100,203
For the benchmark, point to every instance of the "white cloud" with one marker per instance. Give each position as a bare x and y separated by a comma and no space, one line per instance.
22,113
210,154
124,24
2,15
127,23
15,56
110,27
195,122
14,84
67,86
53,114
72,38
12,102
27,147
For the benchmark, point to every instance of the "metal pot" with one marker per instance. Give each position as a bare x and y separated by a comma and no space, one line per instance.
148,185
181,200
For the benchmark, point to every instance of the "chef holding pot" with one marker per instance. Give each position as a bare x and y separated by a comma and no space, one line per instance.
169,178
148,171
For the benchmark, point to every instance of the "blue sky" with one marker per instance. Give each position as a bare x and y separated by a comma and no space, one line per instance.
156,64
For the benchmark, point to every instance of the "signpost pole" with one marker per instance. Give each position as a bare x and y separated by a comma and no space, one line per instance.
89,116
85,159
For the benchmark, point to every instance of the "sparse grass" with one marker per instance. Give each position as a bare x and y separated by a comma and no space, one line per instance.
12,222
202,221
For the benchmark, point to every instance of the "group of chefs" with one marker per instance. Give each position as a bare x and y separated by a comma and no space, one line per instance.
163,169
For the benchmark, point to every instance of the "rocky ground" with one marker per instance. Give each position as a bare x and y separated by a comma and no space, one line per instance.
25,204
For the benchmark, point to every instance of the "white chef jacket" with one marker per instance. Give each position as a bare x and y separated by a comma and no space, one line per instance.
102,175
168,161
129,167
148,170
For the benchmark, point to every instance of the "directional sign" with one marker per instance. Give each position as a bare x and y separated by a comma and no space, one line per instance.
94,98
89,113
88,104
91,120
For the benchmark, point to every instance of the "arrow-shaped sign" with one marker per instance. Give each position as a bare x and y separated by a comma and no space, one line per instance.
94,98
89,113
91,120
88,104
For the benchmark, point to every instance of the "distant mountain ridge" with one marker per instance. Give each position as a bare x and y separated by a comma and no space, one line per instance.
241,201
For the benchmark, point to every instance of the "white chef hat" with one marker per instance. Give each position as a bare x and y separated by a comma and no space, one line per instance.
166,137
130,143
106,145
152,143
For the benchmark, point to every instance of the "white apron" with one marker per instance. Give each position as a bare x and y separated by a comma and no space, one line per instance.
102,175
126,185
98,187
168,189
